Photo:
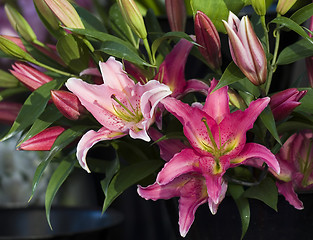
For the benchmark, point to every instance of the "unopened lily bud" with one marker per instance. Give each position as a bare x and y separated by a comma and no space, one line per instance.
246,49
176,14
66,13
207,36
9,47
133,17
9,112
19,23
283,6
47,14
29,76
67,103
7,80
236,100
259,7
42,141
16,40
284,102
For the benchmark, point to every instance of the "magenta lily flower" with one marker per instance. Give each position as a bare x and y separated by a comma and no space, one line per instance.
218,140
296,161
174,77
284,102
246,49
119,105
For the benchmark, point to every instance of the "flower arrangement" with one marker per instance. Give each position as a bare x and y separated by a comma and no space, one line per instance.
118,81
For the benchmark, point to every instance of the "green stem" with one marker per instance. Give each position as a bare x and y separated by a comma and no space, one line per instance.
53,69
147,46
273,62
267,42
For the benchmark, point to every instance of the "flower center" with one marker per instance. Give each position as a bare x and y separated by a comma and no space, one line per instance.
123,112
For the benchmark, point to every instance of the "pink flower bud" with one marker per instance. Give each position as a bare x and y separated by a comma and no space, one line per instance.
176,14
207,36
9,112
246,49
67,103
29,76
42,141
284,102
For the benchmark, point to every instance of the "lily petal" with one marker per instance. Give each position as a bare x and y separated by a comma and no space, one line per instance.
89,139
214,206
184,162
256,152
114,76
286,189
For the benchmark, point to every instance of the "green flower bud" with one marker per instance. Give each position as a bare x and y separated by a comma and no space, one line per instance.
133,17
259,7
283,6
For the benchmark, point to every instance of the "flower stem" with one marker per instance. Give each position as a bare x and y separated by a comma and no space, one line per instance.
273,62
53,69
147,46
267,42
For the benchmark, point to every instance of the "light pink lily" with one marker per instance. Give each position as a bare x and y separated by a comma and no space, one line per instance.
246,49
218,140
172,71
284,102
296,161
119,105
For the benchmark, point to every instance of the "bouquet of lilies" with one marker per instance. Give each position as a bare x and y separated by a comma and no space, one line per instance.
110,79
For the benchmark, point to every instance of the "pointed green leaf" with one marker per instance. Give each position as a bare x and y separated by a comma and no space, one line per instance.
7,80
61,142
295,52
236,191
269,122
304,13
231,75
306,102
89,20
58,177
287,22
266,192
11,92
123,52
34,104
49,116
127,177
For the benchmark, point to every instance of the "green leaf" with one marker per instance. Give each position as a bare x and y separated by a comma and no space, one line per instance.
295,52
167,36
123,52
34,104
304,13
89,20
306,102
73,52
61,142
7,80
242,203
231,75
58,177
49,116
128,176
269,122
12,91
293,126
287,22
266,192
217,10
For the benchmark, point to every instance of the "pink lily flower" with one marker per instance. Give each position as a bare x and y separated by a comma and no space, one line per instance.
296,161
119,105
42,141
174,77
284,102
246,49
29,76
218,140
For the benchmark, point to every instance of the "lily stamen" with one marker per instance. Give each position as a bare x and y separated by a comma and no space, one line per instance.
210,135
122,105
